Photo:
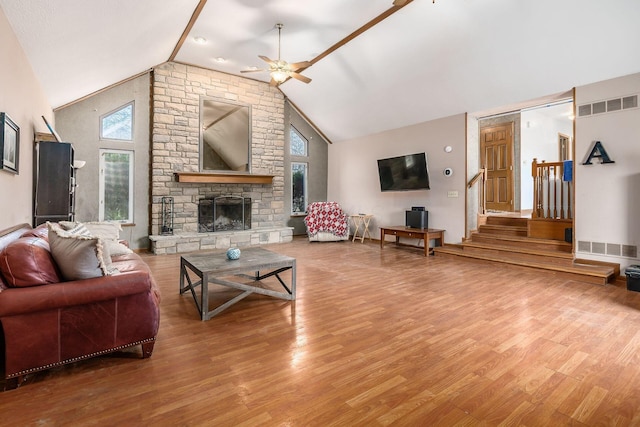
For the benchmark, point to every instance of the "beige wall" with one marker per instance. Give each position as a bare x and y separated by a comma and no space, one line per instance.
353,175
79,124
606,200
22,98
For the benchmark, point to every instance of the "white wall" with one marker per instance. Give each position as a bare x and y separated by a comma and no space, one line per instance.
606,200
23,99
538,139
353,175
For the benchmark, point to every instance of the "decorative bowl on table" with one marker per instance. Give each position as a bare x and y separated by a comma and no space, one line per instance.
233,253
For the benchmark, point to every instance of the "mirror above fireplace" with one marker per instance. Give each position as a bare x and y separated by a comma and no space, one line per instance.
225,136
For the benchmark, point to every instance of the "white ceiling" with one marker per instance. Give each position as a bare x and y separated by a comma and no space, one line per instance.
426,61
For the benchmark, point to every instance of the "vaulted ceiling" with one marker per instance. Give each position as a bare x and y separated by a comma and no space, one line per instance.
424,61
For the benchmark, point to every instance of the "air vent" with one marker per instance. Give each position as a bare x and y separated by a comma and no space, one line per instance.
599,107
598,248
584,246
630,102
613,249
614,104
630,251
608,106
584,110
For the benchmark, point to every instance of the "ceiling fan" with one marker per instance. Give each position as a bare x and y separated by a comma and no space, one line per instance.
281,70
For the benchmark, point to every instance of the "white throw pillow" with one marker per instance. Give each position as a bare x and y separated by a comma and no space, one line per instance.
107,230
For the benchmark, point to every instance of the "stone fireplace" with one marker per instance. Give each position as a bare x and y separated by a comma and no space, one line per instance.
224,213
177,89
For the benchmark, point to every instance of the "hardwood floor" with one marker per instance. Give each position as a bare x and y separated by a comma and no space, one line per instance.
376,337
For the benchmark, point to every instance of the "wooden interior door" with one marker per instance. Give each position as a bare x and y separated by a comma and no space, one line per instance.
496,154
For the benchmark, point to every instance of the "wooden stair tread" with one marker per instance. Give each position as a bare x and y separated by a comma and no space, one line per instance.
521,250
603,272
523,239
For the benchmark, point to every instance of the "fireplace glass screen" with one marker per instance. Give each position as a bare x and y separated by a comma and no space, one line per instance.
224,213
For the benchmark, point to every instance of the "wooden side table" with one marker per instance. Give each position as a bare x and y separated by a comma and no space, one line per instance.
424,234
361,220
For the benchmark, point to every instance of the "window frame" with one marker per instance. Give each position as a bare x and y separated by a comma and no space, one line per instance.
303,138
305,189
101,184
115,110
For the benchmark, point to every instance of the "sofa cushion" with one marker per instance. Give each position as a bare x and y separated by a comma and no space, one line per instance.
107,230
41,231
79,256
28,262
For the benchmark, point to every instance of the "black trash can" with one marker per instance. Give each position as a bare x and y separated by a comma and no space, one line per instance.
633,277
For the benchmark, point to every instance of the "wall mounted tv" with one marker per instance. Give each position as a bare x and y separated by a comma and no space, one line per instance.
404,173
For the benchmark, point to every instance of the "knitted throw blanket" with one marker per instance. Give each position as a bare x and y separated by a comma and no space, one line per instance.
326,216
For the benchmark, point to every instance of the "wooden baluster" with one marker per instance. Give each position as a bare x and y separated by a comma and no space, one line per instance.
555,192
547,207
484,190
536,184
561,167
569,213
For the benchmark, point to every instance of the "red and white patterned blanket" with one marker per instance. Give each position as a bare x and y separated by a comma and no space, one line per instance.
326,216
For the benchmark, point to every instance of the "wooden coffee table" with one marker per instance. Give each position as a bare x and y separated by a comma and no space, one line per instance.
424,234
214,267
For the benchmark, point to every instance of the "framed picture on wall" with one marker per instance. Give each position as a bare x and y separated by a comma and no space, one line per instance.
9,144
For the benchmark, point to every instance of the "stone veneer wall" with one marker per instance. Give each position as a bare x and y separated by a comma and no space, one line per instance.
177,89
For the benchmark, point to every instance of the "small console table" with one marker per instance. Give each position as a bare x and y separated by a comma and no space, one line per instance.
424,234
361,220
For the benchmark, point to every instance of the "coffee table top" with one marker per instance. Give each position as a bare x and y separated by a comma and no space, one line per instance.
250,259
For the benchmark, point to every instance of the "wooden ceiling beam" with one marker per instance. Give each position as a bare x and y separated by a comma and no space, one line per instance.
359,31
187,30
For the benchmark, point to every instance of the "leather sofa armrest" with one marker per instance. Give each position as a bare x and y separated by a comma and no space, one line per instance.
15,301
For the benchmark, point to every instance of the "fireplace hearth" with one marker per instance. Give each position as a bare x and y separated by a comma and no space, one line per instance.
224,213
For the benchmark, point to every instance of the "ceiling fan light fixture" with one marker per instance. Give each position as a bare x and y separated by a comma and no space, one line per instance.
279,76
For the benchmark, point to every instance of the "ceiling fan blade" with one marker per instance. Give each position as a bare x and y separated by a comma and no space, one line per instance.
267,60
299,65
253,71
300,77
399,2
273,82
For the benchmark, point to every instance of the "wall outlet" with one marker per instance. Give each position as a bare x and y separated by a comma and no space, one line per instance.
452,194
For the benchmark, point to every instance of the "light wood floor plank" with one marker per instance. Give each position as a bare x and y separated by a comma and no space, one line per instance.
375,338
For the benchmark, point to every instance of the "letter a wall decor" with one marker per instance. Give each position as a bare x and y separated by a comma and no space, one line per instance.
598,151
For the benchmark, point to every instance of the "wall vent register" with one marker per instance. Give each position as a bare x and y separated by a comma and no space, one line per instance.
608,106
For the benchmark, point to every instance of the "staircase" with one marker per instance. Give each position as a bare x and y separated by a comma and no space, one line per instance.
504,240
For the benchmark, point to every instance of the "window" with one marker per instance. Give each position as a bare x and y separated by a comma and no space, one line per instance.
116,185
298,188
298,143
118,124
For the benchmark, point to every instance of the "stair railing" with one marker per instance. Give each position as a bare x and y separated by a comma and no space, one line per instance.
481,177
551,193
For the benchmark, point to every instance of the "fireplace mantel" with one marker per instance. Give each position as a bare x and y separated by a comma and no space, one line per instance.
223,178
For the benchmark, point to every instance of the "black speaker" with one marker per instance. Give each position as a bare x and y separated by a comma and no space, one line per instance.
417,219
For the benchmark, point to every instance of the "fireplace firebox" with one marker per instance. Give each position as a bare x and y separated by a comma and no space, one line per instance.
224,213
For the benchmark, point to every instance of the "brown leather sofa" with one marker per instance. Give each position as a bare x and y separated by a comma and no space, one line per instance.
57,322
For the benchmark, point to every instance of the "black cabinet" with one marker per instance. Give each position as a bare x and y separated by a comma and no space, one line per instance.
54,182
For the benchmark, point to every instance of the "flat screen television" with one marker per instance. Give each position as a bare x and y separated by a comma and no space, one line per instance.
404,173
